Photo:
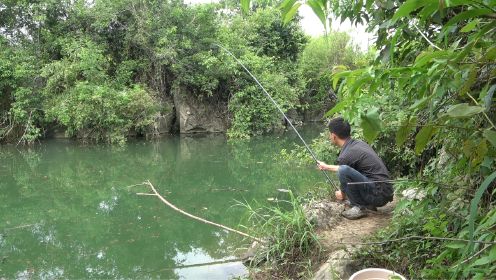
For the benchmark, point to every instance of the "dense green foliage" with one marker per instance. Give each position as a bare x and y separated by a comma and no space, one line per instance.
430,92
107,69
271,52
317,63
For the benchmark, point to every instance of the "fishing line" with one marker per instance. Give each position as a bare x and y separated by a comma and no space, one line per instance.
328,179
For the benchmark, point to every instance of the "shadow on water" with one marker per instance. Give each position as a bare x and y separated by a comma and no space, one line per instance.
66,210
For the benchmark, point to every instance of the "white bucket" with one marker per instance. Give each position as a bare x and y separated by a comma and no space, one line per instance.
376,274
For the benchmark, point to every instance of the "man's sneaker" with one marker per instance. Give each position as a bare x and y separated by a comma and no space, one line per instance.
354,213
345,202
371,208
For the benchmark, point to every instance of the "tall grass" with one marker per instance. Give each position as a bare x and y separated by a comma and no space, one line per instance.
291,241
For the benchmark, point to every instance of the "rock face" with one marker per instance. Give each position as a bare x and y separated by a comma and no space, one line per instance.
295,118
324,213
195,116
338,266
164,120
163,123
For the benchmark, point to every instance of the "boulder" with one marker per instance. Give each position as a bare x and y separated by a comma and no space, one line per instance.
323,213
196,115
249,256
338,266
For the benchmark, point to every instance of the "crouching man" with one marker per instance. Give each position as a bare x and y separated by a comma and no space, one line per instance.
362,174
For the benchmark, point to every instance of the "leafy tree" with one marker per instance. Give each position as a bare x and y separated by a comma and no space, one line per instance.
269,49
430,91
318,61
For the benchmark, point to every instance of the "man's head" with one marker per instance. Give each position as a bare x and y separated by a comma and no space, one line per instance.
339,131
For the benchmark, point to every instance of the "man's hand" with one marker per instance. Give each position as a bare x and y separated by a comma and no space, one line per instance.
323,166
339,195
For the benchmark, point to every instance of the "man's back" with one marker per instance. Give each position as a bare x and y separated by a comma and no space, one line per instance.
361,157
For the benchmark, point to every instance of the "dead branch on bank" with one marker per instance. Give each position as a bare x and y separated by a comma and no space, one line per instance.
413,238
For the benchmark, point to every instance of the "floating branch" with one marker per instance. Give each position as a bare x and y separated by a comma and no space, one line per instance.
155,193
203,264
21,226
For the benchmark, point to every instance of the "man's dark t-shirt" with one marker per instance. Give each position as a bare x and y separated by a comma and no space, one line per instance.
361,157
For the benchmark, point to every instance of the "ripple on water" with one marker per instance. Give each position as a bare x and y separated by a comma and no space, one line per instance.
106,206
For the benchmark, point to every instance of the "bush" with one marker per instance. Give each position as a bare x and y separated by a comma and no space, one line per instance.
252,111
101,113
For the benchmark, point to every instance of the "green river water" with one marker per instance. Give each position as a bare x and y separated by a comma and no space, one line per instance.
66,210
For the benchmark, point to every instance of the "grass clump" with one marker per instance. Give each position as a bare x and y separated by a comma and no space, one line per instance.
291,245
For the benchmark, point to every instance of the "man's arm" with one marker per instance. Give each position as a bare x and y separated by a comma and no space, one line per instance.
323,166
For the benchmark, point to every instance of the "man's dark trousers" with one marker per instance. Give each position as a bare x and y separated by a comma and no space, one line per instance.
360,194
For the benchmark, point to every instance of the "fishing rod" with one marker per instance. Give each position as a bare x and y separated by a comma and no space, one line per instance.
328,179
396,181
380,181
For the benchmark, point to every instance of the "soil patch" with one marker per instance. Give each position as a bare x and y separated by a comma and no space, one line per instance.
339,264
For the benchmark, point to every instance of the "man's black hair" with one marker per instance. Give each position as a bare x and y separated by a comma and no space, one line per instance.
340,127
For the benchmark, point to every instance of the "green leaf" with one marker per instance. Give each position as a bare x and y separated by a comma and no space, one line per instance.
490,54
419,104
406,127
480,152
337,108
371,124
245,6
488,98
428,10
408,7
469,81
468,147
428,56
291,13
456,245
423,137
336,77
473,209
490,135
470,26
466,15
286,6
463,110
318,9
482,261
